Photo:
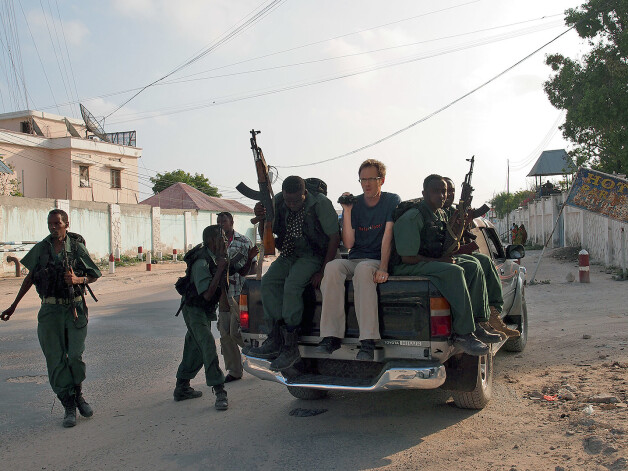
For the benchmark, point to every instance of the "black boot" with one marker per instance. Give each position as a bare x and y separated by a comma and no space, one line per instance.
83,407
184,391
289,354
271,347
221,397
69,404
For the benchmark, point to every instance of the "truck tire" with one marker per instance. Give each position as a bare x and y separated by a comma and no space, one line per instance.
481,394
307,394
519,343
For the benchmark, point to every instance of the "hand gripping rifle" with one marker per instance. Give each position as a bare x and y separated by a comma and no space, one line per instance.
457,222
265,195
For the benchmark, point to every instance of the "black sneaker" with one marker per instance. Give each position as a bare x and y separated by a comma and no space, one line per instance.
367,351
328,345
484,336
470,344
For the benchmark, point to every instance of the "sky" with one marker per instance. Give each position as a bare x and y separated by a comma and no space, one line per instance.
320,79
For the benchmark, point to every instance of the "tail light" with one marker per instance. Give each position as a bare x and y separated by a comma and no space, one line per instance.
440,317
244,311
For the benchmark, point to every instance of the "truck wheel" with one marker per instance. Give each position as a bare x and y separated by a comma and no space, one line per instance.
307,394
481,394
519,343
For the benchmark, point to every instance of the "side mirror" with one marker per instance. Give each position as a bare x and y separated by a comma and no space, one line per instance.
515,251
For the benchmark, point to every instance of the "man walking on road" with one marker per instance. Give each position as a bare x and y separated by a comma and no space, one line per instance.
60,268
241,253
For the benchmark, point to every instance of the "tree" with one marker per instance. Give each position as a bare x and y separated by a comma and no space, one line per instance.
594,90
9,184
503,203
199,181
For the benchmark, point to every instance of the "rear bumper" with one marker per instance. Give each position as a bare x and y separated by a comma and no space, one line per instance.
398,377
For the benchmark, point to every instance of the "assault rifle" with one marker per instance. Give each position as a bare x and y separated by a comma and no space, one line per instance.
67,268
457,222
265,195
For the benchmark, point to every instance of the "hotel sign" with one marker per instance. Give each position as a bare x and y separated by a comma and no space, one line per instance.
600,193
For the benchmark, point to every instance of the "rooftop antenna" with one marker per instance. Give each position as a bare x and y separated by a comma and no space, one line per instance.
92,124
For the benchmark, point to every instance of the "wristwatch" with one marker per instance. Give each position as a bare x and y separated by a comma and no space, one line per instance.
84,280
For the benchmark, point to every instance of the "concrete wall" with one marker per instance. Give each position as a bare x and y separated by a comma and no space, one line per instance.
172,230
107,227
597,234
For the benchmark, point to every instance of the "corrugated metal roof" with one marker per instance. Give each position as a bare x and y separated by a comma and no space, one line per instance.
552,162
183,196
4,168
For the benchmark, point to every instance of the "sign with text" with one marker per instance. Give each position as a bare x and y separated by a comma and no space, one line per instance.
600,193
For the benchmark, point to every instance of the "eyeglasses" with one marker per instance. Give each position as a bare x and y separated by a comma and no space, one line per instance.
369,180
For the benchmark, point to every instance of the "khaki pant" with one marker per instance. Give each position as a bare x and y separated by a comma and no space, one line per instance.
230,339
333,316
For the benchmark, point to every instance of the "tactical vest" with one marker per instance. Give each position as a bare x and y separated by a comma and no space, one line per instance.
312,228
48,278
186,287
432,234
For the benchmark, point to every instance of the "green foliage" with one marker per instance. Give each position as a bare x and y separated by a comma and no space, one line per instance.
503,203
199,181
594,90
9,184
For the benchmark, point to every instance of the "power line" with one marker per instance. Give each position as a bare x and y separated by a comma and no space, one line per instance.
434,113
65,42
54,48
222,40
39,56
255,94
107,95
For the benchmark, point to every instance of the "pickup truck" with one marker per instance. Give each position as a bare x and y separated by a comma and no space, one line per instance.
415,350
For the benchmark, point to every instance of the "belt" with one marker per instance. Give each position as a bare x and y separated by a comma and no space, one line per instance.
53,300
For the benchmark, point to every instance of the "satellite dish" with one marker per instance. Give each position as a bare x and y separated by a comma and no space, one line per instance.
92,124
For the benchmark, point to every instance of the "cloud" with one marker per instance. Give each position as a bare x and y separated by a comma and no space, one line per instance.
74,31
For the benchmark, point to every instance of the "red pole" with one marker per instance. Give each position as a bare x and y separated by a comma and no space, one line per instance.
583,266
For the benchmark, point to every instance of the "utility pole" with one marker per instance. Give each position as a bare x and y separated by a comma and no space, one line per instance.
509,238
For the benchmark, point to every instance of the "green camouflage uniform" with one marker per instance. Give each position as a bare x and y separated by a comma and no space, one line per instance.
199,348
62,338
493,282
284,282
462,283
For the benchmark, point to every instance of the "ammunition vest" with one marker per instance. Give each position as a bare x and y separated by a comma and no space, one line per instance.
48,277
312,228
186,287
432,234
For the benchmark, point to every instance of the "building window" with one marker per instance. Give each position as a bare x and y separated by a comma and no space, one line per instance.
84,176
115,178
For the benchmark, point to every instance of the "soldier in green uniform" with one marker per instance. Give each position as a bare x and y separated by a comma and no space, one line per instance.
60,267
207,280
419,235
307,230
493,282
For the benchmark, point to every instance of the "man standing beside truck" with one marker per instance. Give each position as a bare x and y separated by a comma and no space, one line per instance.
419,235
367,231
201,288
306,226
241,252
494,292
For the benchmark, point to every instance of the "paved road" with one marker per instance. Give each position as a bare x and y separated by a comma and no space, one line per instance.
134,345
